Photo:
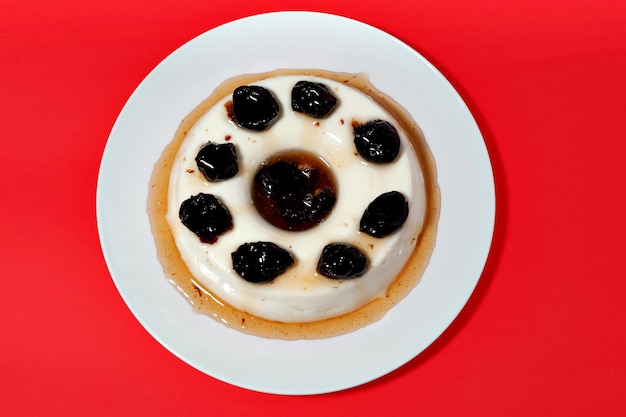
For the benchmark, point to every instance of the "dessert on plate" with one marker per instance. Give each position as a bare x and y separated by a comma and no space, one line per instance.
295,204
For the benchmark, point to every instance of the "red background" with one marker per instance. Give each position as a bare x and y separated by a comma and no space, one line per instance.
543,333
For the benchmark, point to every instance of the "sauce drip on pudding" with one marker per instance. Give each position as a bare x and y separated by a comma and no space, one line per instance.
362,275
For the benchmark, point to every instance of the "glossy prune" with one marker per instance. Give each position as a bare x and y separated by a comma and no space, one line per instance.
218,161
259,262
294,191
313,99
385,214
342,261
206,216
254,107
377,141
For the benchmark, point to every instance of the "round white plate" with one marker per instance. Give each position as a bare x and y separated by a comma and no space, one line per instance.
295,40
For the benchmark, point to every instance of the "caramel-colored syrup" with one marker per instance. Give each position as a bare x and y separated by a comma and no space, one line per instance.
204,302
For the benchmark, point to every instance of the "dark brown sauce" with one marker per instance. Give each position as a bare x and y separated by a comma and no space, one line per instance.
206,303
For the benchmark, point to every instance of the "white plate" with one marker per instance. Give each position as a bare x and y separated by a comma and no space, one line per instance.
295,40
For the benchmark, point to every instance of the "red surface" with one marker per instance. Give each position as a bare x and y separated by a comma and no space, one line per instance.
542,335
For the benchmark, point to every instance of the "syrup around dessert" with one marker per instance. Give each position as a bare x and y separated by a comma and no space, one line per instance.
295,204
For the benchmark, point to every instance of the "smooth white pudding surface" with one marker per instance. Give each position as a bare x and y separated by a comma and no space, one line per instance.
300,294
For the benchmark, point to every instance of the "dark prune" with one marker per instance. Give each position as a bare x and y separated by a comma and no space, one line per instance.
282,179
206,216
386,214
322,202
294,191
312,99
377,141
342,261
260,262
218,162
254,107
